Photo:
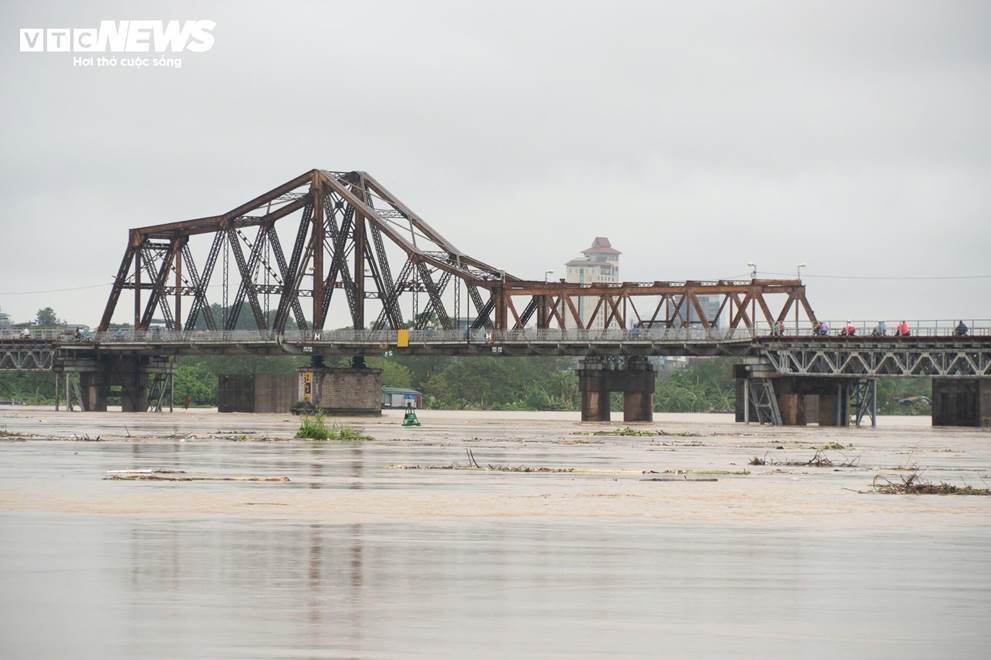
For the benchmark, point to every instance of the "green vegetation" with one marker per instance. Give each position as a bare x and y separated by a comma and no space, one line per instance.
704,385
915,393
30,387
46,318
835,445
194,379
508,383
314,428
627,431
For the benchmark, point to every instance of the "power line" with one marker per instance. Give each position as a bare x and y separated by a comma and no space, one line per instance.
884,277
73,288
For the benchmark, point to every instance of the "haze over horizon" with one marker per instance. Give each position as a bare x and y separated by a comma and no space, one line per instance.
850,137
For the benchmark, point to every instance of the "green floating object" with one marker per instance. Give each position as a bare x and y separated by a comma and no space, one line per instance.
409,419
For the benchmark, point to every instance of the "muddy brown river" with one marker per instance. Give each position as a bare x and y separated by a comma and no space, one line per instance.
548,541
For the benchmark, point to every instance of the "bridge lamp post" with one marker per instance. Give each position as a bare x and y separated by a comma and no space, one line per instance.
799,271
753,305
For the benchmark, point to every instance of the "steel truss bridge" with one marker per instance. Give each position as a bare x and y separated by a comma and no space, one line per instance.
340,239
329,249
329,240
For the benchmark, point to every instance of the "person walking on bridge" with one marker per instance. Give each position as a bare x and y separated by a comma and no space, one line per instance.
902,330
961,329
849,330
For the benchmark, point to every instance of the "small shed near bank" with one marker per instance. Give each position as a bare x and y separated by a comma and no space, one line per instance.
398,397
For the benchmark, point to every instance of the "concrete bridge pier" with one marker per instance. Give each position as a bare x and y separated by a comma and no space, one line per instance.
354,390
599,376
143,381
769,398
93,388
961,402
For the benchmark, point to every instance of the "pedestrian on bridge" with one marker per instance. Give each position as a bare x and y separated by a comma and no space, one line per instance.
881,330
961,329
902,330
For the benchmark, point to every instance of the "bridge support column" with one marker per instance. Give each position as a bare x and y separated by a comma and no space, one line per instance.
595,406
599,376
134,392
355,390
93,387
799,400
143,380
961,402
256,393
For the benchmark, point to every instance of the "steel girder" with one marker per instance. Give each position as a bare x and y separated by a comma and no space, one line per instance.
27,357
903,359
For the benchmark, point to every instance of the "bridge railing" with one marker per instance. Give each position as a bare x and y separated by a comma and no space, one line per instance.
426,336
862,328
35,334
419,336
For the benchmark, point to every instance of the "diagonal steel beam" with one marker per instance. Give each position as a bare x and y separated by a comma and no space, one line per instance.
247,285
118,285
280,261
200,303
339,265
434,293
157,297
294,272
199,292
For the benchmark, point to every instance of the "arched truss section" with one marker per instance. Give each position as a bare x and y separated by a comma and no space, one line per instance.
339,242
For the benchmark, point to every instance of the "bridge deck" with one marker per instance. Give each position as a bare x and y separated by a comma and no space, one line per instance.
936,355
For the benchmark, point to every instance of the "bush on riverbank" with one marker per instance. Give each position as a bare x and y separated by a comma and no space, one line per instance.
314,428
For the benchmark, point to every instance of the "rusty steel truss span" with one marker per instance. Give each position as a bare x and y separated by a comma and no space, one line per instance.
341,238
943,357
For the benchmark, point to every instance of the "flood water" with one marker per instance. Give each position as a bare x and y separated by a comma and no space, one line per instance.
355,557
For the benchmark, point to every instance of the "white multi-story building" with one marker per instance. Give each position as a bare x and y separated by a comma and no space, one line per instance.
600,264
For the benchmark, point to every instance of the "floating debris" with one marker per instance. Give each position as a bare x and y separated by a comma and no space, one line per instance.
912,485
475,465
629,431
819,459
709,473
181,475
684,479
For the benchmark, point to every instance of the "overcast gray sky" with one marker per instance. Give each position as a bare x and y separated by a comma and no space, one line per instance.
853,137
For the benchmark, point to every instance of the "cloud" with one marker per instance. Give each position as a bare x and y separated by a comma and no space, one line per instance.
849,136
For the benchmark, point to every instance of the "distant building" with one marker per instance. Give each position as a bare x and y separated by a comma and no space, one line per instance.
709,305
599,264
